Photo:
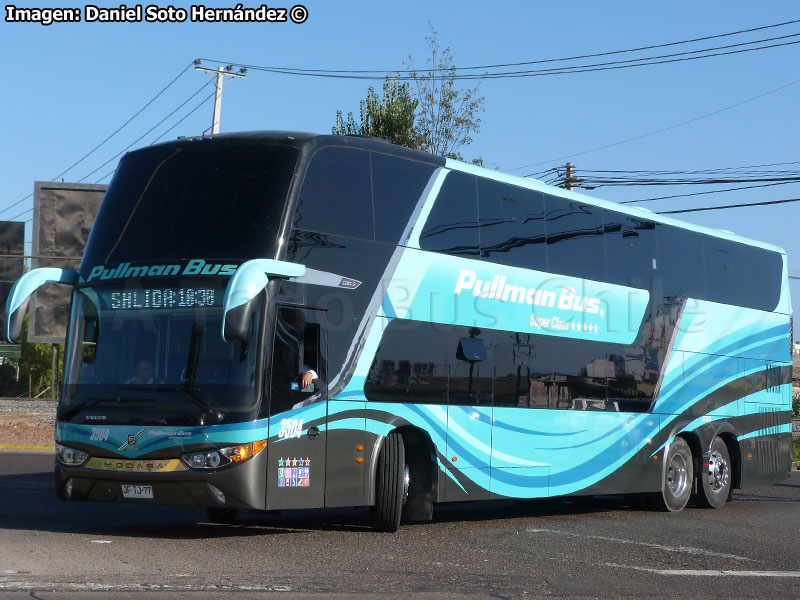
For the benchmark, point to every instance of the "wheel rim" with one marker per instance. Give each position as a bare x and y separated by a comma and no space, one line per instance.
406,482
677,475
718,472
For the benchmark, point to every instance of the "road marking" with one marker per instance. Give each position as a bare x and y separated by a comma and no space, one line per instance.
102,542
678,549
24,586
49,447
709,572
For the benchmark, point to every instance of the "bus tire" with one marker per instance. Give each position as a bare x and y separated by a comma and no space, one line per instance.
224,516
389,484
714,487
676,488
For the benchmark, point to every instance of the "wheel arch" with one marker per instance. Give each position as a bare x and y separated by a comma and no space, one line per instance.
735,452
420,450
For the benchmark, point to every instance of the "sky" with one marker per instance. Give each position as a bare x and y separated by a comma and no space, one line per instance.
69,86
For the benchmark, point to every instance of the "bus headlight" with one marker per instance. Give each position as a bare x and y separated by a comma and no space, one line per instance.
70,456
212,459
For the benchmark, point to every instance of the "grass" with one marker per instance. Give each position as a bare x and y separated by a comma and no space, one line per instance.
795,450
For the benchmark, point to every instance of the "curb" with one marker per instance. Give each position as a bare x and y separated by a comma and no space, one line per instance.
28,447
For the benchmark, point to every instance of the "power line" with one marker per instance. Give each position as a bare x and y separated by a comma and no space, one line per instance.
299,70
121,127
657,131
643,62
148,132
747,187
147,104
181,120
746,205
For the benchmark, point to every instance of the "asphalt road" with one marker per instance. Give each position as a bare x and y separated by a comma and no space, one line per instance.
587,548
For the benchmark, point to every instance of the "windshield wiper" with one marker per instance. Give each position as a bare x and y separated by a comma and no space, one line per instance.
209,415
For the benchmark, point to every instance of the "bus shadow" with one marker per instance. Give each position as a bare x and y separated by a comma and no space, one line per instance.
30,504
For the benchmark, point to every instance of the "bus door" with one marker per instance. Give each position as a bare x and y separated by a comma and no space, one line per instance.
296,456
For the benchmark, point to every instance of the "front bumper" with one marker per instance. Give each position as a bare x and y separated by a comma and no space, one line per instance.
243,485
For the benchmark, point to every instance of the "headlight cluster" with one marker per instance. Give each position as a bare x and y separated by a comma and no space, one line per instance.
70,456
220,457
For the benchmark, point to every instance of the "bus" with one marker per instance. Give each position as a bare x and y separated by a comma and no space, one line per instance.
279,320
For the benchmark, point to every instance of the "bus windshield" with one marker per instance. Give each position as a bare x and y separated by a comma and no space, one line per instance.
158,344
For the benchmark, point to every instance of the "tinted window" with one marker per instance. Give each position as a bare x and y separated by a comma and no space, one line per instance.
410,365
452,225
511,225
574,238
287,358
681,265
725,271
514,354
337,195
471,368
211,199
764,269
397,185
630,250
429,363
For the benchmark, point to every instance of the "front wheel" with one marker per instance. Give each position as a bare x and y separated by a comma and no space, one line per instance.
390,484
678,473
715,477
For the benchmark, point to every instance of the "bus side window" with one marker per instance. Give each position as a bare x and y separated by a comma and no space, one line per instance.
452,226
512,225
630,250
296,349
397,185
337,196
574,239
287,354
725,272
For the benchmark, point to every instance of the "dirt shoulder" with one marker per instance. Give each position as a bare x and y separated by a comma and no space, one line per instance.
27,424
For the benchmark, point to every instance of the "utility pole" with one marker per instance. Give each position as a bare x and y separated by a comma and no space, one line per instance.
569,178
217,77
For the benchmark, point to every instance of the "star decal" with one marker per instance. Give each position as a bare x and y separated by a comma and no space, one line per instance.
280,462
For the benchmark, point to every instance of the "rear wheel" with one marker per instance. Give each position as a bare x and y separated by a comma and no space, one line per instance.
715,477
678,474
390,484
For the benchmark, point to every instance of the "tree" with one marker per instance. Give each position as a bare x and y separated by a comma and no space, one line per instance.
390,118
36,362
447,115
434,114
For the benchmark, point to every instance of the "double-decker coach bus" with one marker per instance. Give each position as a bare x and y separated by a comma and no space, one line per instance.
284,320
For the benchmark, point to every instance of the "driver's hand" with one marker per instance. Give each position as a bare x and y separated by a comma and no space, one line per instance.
306,380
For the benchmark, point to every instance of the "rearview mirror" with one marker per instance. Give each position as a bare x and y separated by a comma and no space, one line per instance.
244,287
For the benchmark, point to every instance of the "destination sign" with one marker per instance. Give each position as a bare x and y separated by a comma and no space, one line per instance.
160,298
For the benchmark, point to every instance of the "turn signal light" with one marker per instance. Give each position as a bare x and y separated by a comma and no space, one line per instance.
211,459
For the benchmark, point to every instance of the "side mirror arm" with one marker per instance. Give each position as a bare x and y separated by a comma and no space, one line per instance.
19,298
244,286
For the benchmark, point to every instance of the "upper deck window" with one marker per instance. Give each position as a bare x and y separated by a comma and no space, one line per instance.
202,199
337,197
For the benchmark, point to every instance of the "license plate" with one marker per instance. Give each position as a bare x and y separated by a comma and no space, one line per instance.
137,491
